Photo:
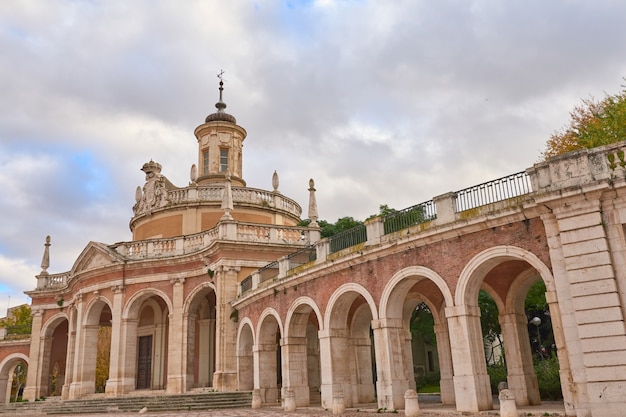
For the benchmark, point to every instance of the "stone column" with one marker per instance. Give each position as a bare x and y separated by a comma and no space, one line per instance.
446,381
335,372
114,385
295,375
225,376
521,378
76,383
265,372
33,378
471,382
391,357
71,352
176,374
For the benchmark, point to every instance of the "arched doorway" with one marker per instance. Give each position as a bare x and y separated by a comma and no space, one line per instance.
201,339
301,350
268,357
346,347
13,371
245,360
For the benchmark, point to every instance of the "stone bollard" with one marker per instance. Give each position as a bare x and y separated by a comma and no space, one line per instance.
338,405
411,405
256,398
507,404
290,401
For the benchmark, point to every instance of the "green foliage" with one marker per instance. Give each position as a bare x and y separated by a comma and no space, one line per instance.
331,229
593,123
497,373
548,378
423,324
488,317
19,320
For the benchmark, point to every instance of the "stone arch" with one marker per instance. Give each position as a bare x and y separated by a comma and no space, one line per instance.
479,265
401,296
94,337
199,320
245,358
7,368
268,358
301,351
54,347
500,270
146,322
346,354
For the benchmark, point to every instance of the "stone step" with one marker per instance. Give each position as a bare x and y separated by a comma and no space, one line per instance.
180,402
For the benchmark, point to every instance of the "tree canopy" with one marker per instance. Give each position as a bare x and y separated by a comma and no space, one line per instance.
19,320
593,123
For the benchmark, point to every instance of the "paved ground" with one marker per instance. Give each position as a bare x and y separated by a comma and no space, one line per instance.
366,410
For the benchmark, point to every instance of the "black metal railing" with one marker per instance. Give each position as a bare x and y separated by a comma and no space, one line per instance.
347,238
493,191
246,284
402,219
301,257
269,271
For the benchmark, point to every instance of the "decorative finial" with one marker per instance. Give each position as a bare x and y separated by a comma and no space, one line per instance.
312,204
45,261
221,115
193,174
227,199
275,181
220,104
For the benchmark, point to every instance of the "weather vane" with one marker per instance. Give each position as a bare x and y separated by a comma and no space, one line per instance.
221,75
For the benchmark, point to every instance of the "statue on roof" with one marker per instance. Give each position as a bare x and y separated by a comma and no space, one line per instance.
154,193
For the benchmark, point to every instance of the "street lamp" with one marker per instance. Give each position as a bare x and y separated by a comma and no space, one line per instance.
536,321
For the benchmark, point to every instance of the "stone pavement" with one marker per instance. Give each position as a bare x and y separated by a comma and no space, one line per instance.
553,409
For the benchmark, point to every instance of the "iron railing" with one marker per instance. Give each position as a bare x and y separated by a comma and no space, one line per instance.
402,219
246,284
493,191
301,257
347,238
269,271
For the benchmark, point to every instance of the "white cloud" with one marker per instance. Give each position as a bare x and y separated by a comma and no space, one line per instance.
378,102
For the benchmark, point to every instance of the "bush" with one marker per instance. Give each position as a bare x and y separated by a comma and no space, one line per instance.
497,373
548,378
547,372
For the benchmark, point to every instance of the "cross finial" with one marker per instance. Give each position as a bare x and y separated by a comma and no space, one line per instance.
221,75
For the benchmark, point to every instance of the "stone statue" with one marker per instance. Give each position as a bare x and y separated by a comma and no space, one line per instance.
154,193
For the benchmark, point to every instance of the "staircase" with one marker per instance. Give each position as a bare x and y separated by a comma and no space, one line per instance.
182,402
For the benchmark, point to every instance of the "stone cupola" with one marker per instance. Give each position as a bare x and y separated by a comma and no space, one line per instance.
220,143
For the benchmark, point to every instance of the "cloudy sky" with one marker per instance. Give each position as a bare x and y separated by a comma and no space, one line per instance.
381,102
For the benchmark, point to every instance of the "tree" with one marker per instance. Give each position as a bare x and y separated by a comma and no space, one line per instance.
103,357
593,123
18,321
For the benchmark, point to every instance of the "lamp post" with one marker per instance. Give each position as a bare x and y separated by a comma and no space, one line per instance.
536,321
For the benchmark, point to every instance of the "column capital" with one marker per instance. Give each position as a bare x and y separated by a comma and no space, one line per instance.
117,289
177,280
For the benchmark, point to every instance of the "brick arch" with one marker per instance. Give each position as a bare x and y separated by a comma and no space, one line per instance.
394,292
51,324
131,308
94,310
192,295
343,298
472,275
296,309
7,367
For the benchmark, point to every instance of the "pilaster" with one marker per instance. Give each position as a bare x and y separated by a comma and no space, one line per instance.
176,374
114,385
33,377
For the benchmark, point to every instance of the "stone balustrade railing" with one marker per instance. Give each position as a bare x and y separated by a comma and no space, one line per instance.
53,281
240,232
241,195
